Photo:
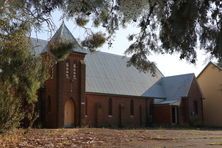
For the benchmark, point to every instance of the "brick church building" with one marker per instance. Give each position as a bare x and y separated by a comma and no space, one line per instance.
99,90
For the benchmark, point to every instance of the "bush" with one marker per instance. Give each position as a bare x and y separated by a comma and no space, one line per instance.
196,122
10,111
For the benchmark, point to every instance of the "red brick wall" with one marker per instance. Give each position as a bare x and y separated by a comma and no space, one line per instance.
162,114
49,90
187,108
98,111
184,111
195,95
60,89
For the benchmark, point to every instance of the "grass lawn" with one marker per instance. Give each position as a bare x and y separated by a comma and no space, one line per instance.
102,137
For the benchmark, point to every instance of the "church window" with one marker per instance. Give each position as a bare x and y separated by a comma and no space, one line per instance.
74,71
110,106
49,104
67,70
195,106
131,107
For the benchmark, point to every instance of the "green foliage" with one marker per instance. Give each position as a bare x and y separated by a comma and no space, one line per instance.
96,22
195,122
60,49
81,21
94,41
165,26
10,110
21,74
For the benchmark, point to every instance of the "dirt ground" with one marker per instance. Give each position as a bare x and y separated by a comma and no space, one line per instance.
111,138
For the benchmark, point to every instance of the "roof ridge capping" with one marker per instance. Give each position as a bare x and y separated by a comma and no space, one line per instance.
180,75
123,57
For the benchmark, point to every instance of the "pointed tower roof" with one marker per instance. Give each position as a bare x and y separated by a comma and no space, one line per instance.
65,36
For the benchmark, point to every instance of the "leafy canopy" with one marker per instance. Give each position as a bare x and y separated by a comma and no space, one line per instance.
166,26
21,73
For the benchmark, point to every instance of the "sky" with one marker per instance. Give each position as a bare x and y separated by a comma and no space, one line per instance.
168,64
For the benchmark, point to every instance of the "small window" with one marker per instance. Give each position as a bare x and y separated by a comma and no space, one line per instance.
86,106
74,71
67,70
49,104
195,106
132,107
110,106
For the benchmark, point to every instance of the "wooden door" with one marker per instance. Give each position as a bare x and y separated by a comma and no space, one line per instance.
175,115
98,114
69,114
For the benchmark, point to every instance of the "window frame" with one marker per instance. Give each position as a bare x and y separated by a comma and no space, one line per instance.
110,107
67,69
195,107
49,104
132,107
74,70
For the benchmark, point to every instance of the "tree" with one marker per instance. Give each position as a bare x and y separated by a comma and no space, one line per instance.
21,72
166,26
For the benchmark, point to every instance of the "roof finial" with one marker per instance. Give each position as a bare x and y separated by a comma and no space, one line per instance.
63,23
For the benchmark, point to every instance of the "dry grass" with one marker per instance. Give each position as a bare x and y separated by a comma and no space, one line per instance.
91,137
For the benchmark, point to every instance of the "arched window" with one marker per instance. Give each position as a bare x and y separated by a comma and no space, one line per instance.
195,106
67,69
131,107
49,104
110,106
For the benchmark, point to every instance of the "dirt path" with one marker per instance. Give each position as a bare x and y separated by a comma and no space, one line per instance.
91,137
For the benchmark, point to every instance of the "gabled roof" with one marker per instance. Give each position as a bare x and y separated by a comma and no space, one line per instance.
38,45
171,89
63,35
108,73
210,63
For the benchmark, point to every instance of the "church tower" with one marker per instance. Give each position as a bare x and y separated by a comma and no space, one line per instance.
65,88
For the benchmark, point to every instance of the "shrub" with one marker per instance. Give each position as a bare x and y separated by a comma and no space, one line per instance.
10,111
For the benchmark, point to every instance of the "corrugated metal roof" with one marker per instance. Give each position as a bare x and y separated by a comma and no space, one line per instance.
38,45
108,73
171,88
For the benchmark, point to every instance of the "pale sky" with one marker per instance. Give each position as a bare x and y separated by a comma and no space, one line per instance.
167,64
